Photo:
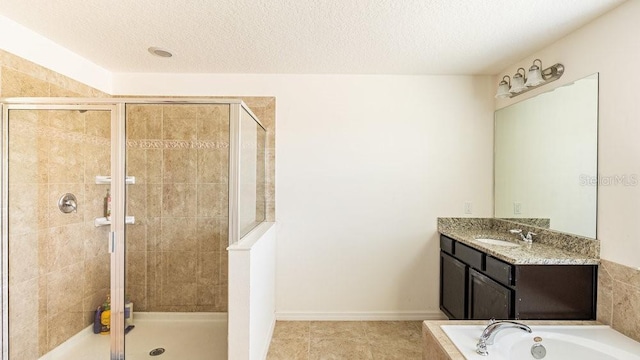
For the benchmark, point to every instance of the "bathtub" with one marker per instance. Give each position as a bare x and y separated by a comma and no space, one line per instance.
560,342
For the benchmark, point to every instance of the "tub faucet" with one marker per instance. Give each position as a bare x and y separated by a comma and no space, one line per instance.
528,239
489,333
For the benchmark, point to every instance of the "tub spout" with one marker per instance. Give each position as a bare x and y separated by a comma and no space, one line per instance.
489,333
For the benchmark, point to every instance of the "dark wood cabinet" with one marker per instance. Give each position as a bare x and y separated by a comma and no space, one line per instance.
452,292
475,285
487,298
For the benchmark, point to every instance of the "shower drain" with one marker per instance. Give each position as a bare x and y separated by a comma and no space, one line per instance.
156,352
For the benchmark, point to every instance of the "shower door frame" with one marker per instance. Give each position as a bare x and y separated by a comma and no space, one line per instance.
116,241
116,234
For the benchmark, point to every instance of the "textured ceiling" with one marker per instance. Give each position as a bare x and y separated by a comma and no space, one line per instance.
306,36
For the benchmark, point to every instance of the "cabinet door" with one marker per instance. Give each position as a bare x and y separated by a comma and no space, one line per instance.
487,298
556,292
453,287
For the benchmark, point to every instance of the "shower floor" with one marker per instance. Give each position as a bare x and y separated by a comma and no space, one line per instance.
193,336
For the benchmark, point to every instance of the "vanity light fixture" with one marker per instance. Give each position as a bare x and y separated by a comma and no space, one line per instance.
520,83
535,75
517,82
503,87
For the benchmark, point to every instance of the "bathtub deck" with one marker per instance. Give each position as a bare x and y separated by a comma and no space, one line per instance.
438,346
193,336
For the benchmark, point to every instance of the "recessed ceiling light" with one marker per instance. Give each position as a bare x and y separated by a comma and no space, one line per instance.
160,52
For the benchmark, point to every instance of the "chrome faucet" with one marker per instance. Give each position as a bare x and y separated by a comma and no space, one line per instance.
489,333
528,239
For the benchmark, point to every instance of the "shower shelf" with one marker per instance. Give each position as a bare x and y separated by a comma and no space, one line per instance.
102,221
101,179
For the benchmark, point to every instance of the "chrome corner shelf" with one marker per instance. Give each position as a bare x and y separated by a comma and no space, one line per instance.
103,221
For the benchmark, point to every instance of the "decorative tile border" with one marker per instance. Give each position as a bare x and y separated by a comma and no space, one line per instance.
79,138
177,144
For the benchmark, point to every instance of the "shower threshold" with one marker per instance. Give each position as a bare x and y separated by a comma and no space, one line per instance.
193,336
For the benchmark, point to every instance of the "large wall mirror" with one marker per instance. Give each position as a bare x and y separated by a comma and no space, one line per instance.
546,156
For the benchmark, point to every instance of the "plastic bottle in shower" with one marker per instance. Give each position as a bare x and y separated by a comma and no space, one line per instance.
107,205
105,317
128,311
97,321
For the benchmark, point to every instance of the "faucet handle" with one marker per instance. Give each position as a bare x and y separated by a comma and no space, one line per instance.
528,238
481,348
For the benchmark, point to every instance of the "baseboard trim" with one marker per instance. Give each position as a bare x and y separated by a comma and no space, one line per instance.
359,316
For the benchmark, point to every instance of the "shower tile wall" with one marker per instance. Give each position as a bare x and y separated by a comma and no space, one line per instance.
176,251
58,265
37,322
20,77
619,298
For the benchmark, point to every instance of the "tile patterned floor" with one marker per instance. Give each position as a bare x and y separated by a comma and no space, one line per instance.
349,340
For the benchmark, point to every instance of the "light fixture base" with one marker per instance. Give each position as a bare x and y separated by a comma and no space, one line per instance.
550,74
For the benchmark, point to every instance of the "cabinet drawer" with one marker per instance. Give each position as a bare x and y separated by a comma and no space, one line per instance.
468,255
499,270
446,244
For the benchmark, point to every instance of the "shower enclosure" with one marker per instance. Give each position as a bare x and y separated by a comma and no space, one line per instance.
128,201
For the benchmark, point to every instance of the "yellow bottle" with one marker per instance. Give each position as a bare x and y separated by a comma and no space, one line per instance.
105,317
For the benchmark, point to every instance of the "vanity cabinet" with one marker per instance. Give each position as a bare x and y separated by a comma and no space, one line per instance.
476,285
453,291
487,298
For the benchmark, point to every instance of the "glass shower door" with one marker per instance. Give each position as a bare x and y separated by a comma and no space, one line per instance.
56,261
176,258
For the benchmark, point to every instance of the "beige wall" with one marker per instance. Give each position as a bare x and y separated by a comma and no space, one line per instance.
58,263
608,46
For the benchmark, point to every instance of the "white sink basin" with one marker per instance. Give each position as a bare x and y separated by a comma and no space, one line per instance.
498,242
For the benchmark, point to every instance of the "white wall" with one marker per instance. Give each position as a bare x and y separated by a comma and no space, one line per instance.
34,47
252,275
608,45
364,165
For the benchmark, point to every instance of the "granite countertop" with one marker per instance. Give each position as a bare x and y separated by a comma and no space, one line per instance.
526,254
